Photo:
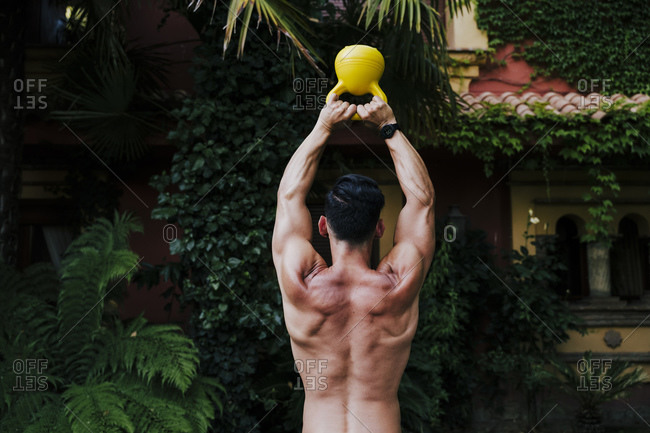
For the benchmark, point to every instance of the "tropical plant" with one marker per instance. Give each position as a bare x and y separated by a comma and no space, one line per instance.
233,139
436,391
68,366
410,34
110,89
526,322
289,20
594,382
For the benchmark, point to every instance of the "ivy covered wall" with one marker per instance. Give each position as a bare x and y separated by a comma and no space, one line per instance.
233,139
549,141
601,42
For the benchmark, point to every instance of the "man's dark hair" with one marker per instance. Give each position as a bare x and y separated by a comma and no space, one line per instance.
352,208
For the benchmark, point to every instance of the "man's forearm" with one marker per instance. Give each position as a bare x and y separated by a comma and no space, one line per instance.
300,171
411,171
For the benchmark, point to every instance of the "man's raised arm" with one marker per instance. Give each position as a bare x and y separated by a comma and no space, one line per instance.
414,241
292,250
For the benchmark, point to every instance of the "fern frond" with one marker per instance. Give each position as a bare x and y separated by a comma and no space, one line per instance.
26,311
200,401
153,414
21,408
97,408
150,351
93,265
27,322
51,419
123,225
38,279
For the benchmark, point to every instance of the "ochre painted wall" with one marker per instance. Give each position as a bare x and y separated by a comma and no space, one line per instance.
527,188
464,40
463,33
635,341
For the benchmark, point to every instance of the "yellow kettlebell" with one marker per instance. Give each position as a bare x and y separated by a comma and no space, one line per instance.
359,69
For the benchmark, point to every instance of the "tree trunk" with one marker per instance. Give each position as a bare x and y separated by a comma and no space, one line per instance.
12,62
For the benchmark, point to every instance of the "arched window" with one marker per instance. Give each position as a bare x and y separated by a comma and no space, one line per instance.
573,281
629,260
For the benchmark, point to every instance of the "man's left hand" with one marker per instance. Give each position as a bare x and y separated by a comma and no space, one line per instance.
335,113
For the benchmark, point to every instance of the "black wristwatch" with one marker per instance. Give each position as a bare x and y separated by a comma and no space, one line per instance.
387,131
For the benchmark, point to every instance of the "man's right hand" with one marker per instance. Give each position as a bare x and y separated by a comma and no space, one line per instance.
376,111
335,112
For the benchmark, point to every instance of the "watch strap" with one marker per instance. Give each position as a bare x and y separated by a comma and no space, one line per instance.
387,131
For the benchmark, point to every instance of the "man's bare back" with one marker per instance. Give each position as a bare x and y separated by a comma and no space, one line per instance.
351,340
351,327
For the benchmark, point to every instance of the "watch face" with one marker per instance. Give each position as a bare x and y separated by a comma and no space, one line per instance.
388,130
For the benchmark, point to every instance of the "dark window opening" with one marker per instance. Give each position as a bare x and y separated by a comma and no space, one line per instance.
572,253
629,262
43,243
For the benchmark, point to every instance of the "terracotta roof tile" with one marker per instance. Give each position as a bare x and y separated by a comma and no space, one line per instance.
574,98
524,110
598,115
558,103
640,98
568,108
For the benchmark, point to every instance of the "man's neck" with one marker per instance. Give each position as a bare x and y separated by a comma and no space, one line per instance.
345,255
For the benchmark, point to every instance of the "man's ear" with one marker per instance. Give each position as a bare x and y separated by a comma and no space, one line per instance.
322,226
379,230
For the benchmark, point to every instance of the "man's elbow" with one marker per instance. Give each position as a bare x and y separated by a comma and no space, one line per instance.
425,200
286,194
430,198
290,198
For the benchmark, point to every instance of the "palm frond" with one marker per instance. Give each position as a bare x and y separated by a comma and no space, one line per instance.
416,77
598,381
109,89
108,111
102,16
415,80
411,10
456,7
280,15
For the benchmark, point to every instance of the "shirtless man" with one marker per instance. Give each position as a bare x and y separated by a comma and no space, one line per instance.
351,327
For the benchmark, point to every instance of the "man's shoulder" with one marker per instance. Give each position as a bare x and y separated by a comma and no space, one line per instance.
297,278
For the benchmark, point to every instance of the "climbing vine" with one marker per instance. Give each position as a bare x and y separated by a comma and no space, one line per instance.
581,41
233,139
619,140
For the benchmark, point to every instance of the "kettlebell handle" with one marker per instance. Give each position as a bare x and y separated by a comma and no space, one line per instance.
341,88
